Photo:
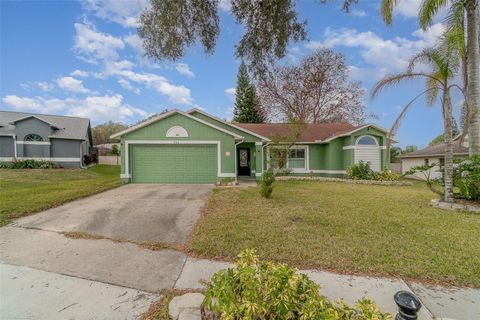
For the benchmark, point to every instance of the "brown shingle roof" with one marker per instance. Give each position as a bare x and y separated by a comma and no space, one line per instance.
311,132
437,150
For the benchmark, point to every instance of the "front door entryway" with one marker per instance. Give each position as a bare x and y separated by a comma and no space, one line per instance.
243,161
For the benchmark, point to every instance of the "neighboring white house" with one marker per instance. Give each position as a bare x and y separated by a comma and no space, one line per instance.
433,154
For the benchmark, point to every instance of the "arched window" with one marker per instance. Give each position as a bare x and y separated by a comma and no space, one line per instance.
367,141
177,132
33,137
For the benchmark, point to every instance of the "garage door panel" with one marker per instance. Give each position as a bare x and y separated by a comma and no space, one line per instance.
174,163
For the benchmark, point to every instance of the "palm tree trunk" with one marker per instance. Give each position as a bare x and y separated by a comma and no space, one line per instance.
473,60
448,136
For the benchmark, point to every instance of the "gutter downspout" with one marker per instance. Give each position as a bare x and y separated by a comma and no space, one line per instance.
263,151
81,156
15,147
236,162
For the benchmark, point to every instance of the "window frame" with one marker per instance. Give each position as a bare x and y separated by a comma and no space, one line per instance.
26,138
366,145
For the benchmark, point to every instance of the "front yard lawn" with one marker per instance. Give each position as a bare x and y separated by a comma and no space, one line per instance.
25,191
345,228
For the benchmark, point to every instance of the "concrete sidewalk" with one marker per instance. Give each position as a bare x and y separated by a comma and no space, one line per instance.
128,265
34,294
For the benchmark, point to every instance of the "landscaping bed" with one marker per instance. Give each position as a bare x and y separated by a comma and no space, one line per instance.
345,228
26,191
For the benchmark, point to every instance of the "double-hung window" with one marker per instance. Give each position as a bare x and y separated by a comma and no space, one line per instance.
296,158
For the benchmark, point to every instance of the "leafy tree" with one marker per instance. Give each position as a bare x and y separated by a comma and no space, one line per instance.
409,148
316,90
102,132
443,66
461,13
168,27
439,139
395,153
115,150
247,108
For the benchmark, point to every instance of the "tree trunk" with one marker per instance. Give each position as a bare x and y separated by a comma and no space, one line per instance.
473,61
448,136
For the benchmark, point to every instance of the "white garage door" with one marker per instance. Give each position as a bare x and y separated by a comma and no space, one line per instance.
367,150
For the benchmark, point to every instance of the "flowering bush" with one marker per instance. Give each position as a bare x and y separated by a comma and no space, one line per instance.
466,178
362,171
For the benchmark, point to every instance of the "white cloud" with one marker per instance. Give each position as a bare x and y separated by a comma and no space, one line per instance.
92,45
102,108
79,73
230,93
358,13
127,85
71,84
408,8
184,69
379,56
178,94
45,86
97,108
125,13
225,5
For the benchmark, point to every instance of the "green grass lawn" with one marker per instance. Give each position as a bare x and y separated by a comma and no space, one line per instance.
346,228
25,191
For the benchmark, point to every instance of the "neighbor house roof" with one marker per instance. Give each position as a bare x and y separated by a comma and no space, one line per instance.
438,150
313,132
66,127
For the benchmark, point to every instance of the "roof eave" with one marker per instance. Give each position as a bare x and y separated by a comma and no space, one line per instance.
230,124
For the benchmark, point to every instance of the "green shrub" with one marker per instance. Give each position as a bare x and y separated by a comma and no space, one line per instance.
90,159
255,289
466,178
266,183
385,175
29,164
360,171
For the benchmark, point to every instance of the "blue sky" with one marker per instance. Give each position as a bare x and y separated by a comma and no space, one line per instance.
85,59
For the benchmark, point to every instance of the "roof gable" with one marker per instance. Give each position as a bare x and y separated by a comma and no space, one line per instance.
166,115
66,127
234,127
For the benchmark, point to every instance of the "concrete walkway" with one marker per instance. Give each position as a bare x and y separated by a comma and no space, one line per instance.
127,265
34,294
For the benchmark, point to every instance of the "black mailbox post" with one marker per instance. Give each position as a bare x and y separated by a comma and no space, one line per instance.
408,305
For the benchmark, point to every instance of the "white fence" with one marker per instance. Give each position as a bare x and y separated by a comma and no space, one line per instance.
112,160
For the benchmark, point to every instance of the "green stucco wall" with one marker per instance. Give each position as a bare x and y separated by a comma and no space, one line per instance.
196,131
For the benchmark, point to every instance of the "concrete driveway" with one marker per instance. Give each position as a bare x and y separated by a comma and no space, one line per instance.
134,212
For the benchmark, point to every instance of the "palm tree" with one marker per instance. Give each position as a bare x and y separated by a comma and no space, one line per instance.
443,64
460,11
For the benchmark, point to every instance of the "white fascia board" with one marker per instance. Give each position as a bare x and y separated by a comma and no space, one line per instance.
229,124
167,114
32,116
353,131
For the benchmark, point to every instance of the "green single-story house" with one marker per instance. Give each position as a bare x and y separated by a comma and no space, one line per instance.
196,147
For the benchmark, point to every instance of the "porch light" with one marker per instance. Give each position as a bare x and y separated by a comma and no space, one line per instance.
408,305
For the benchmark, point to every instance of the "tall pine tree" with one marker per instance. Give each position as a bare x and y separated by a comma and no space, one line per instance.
247,107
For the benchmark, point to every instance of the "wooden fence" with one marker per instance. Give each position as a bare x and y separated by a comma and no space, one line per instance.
111,160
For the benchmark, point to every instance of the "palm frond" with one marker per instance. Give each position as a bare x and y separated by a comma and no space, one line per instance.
433,93
456,15
398,121
387,10
428,9
393,80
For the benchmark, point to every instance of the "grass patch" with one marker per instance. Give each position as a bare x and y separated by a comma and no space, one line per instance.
159,310
26,191
346,228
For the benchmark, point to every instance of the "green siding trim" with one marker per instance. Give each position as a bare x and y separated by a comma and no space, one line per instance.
248,137
174,163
